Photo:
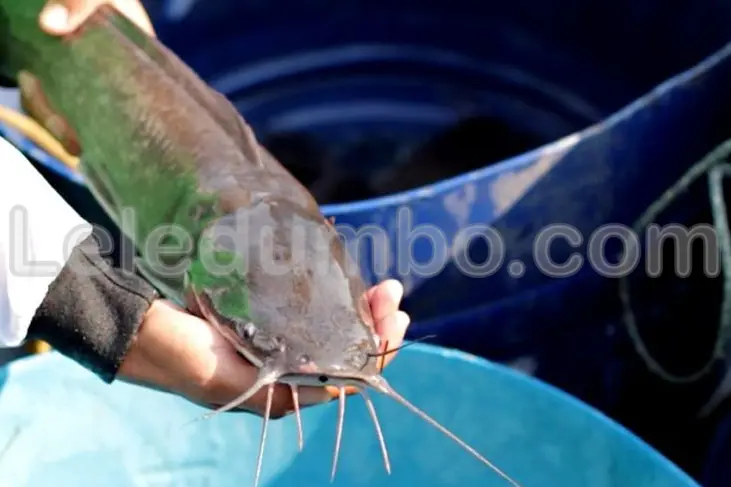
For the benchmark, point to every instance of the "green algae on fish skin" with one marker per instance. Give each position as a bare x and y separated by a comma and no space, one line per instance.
228,288
86,79
145,176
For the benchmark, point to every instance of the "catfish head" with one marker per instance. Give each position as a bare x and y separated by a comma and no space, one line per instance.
276,280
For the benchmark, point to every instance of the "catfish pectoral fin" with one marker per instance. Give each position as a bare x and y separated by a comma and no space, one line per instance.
171,286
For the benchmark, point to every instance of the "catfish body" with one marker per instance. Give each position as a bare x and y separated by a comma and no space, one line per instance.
163,152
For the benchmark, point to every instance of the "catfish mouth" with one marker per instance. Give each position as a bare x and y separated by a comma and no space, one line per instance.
272,371
335,378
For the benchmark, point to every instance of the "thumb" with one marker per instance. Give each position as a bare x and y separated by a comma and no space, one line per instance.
60,17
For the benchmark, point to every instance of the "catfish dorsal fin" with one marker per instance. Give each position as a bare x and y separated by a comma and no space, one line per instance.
219,108
217,105
226,114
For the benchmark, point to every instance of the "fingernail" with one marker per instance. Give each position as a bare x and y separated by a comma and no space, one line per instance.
334,391
313,395
395,289
403,320
55,16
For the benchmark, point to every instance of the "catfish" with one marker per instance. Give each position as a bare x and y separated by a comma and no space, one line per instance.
221,227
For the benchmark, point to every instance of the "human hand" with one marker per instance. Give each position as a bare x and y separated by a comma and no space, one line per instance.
180,353
61,17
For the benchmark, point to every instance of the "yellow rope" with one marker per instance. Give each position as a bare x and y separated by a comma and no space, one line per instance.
37,346
39,135
47,142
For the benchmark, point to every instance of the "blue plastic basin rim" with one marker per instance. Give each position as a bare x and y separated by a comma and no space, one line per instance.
29,363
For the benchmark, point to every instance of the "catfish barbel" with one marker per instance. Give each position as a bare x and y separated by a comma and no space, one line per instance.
156,140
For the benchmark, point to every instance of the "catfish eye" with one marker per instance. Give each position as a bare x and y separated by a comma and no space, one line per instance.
247,330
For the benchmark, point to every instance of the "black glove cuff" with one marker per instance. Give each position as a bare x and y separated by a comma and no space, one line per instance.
92,311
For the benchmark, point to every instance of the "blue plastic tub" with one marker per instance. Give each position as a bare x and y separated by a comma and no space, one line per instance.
716,472
63,427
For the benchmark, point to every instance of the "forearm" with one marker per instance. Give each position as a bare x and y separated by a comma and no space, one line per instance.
54,283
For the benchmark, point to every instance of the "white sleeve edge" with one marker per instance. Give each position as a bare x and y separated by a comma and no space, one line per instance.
39,230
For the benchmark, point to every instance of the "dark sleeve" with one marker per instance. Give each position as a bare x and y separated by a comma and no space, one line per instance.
92,311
